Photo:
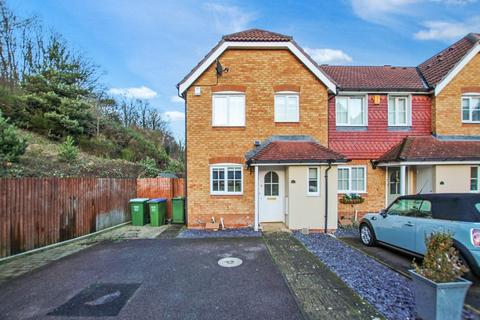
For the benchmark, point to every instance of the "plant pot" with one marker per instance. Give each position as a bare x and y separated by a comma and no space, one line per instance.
438,301
353,201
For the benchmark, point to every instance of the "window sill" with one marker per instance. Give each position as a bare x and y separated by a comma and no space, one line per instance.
287,123
233,128
351,128
399,128
313,195
470,122
226,195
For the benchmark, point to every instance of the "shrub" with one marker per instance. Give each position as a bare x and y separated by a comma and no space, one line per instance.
441,262
68,150
11,146
150,169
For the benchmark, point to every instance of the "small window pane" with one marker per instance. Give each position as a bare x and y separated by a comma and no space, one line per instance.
355,111
275,189
313,180
466,109
475,109
341,110
268,189
238,186
236,110
220,110
474,179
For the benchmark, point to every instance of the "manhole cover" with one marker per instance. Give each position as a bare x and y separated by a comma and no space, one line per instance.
98,300
229,262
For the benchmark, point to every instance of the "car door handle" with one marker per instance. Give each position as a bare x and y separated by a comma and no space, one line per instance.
409,224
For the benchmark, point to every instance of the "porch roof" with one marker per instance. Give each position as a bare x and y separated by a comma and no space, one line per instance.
293,149
418,149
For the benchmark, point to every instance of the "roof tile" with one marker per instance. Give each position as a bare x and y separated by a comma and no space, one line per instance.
256,35
438,66
432,149
376,78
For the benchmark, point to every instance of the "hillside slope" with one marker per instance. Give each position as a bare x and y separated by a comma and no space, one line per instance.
41,160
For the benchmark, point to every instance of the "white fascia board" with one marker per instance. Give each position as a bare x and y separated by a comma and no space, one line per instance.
427,163
445,81
372,93
262,45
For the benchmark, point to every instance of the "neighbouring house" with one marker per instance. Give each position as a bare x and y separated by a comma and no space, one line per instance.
271,136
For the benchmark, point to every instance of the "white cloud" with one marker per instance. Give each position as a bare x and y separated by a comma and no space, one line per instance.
229,19
137,93
176,99
447,30
174,115
378,10
330,56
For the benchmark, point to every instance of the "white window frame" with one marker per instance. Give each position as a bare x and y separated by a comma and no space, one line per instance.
469,96
228,94
317,193
408,110
364,107
349,168
477,178
225,167
286,95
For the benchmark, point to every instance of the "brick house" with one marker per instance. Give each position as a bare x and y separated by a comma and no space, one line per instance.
271,136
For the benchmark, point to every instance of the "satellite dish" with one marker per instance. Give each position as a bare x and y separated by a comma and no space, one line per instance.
220,69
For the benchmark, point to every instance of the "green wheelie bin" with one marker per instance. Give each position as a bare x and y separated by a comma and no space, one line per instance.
178,210
139,211
158,210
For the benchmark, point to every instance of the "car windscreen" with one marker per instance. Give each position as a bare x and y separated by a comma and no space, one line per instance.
457,209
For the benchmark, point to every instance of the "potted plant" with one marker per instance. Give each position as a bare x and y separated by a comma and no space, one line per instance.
352,198
438,287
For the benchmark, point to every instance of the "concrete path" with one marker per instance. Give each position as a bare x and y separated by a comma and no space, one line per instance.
154,279
319,292
17,266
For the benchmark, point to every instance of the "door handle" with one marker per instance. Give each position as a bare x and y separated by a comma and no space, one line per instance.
409,224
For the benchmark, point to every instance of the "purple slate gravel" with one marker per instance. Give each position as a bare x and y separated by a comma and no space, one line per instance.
229,233
387,290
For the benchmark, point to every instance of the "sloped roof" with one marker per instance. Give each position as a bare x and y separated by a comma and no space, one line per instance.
438,66
431,149
376,78
256,35
291,149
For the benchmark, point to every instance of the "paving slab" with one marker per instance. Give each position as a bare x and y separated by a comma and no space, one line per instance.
177,278
319,292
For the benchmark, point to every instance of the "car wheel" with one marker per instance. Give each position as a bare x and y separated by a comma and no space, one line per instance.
366,235
470,275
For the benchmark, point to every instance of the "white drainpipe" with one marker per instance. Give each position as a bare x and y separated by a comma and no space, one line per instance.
256,199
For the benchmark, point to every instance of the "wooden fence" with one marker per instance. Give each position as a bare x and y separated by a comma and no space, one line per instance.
161,188
35,212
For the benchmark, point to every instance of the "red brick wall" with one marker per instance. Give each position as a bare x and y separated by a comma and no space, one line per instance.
378,138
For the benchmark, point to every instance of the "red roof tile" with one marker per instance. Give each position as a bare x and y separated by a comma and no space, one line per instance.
438,66
256,35
376,78
296,151
432,149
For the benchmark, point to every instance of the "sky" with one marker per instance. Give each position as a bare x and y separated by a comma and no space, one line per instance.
145,47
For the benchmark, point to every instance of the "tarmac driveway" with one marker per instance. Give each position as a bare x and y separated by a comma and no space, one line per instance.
154,279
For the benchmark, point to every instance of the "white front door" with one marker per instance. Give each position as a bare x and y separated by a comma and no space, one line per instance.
271,196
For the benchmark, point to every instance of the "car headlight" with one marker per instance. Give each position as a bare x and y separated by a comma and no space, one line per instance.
475,237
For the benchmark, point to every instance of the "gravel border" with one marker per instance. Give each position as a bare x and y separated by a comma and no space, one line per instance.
351,232
229,233
387,290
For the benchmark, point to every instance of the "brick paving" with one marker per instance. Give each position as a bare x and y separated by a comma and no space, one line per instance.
319,292
23,264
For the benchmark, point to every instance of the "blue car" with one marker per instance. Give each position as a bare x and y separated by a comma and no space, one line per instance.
406,223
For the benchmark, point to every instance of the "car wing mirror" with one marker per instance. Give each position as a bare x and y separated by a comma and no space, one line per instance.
383,213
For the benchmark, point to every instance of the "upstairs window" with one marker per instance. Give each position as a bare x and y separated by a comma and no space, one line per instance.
352,179
228,110
226,179
350,111
398,111
471,108
286,107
